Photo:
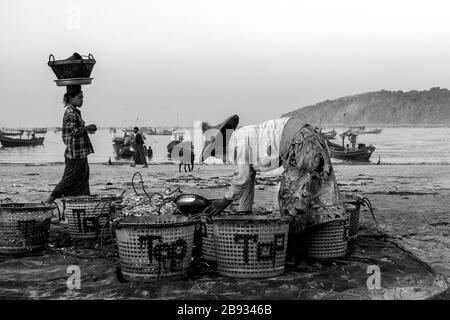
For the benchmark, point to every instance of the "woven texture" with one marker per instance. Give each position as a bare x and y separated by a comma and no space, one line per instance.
75,69
208,245
153,248
24,227
87,215
249,247
327,241
353,206
354,219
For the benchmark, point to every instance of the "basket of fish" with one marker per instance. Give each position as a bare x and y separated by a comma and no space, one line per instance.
152,247
88,215
250,245
327,232
24,227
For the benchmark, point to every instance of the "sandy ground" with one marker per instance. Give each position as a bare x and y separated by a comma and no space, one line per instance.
411,201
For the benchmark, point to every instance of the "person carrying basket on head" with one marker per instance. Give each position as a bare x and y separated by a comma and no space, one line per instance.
75,180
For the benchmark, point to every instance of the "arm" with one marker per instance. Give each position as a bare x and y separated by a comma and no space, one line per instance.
71,126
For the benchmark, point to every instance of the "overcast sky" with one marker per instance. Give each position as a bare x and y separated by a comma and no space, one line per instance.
208,59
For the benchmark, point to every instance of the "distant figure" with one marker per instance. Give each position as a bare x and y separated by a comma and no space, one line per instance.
353,141
347,147
33,136
109,161
139,155
150,153
379,160
189,147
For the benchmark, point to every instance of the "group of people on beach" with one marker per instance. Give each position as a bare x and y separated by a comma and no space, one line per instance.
308,177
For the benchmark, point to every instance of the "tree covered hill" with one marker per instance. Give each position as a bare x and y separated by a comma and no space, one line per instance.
381,108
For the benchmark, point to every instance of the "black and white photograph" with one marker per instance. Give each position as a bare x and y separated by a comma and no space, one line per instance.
224,156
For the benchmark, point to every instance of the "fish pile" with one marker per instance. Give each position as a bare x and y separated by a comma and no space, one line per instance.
156,204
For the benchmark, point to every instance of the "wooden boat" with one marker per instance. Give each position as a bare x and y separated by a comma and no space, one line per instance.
122,150
11,132
360,153
374,131
39,130
330,134
14,142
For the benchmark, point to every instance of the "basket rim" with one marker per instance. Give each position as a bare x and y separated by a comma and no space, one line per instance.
25,206
78,61
326,223
92,197
250,219
149,221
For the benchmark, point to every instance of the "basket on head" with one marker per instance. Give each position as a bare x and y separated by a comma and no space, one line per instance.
74,68
24,227
251,246
87,215
154,247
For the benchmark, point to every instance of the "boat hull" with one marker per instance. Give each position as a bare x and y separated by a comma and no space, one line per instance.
8,142
360,154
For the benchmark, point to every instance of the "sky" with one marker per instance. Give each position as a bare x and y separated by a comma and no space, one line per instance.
170,62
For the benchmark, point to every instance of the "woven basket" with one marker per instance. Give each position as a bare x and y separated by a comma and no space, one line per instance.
251,246
207,244
24,227
87,215
154,247
329,240
353,206
69,69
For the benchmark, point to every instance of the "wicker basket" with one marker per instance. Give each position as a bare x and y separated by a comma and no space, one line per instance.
328,240
87,215
154,247
207,244
251,246
353,205
72,68
24,227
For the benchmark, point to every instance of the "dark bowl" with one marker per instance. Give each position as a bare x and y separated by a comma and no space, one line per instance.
191,203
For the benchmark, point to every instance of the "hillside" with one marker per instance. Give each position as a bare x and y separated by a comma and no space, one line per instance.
381,108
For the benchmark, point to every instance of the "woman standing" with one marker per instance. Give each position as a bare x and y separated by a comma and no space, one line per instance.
75,180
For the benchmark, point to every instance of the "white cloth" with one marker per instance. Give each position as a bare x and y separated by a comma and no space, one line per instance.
254,148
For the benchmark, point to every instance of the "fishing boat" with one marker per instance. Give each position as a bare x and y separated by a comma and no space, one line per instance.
58,129
373,131
19,142
359,152
330,134
11,132
39,130
123,146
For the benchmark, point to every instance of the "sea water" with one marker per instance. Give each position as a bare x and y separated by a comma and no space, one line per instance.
404,145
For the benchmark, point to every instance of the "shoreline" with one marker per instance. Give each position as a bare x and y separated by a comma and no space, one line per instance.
120,163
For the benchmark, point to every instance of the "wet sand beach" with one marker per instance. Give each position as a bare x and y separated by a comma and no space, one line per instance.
411,204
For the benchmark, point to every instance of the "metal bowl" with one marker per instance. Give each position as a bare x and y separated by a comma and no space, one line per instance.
191,203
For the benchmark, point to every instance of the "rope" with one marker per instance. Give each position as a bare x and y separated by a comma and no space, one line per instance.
366,202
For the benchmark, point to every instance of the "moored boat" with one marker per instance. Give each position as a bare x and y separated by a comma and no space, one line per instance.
359,152
18,142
